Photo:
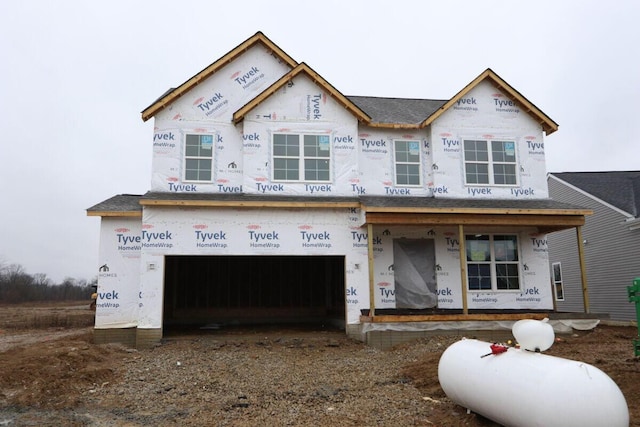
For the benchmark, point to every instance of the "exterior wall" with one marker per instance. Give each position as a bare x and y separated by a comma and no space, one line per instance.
208,109
119,273
239,231
301,107
612,257
376,175
487,113
196,231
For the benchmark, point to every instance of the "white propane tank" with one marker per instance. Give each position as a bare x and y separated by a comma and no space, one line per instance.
533,335
523,388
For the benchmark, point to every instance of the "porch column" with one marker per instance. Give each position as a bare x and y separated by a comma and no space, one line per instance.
372,294
583,269
463,268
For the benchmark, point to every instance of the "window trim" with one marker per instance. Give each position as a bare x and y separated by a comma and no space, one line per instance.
301,158
493,262
396,163
556,282
490,162
185,157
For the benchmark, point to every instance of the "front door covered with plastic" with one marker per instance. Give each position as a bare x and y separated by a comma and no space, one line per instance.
414,271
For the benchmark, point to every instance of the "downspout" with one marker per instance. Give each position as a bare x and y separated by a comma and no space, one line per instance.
372,303
583,269
463,269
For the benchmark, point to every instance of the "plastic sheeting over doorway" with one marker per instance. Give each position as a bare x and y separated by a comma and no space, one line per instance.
414,271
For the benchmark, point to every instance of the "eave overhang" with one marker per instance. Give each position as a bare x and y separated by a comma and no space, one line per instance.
241,200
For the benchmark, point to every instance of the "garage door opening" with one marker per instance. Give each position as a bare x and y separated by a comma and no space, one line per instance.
221,291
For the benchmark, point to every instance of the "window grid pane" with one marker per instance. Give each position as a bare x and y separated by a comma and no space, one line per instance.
492,262
301,157
407,162
198,157
497,167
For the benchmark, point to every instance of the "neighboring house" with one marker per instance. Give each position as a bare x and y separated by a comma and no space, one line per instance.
611,238
276,198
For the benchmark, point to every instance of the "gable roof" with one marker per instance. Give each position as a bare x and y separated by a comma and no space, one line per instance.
396,113
175,93
304,69
620,189
545,121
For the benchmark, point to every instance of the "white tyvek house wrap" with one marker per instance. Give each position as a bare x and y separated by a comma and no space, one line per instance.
377,171
208,109
301,107
234,231
485,112
535,290
119,273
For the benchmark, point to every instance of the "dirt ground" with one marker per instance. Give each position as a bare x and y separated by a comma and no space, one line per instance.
52,374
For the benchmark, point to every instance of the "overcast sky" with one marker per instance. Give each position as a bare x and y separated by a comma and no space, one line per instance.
75,76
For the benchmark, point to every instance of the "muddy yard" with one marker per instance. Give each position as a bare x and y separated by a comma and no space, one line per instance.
52,374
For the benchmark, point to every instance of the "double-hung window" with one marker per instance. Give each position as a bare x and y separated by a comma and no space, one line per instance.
490,162
301,157
492,262
198,158
407,162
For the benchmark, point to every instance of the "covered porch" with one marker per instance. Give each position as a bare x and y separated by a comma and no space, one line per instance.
383,327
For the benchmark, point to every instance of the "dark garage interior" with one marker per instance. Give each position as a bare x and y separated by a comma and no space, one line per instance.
227,290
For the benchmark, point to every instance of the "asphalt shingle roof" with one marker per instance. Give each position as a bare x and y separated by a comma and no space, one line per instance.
119,203
397,110
617,188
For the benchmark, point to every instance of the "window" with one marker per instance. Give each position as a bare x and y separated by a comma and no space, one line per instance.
492,262
198,158
557,281
407,162
301,157
494,166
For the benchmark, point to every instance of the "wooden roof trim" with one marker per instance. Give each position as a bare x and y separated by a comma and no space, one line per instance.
395,125
545,121
249,204
544,223
302,68
475,211
176,93
130,214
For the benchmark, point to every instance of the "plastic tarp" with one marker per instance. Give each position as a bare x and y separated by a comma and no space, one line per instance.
414,271
559,326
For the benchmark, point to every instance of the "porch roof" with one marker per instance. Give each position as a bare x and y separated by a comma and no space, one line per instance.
545,214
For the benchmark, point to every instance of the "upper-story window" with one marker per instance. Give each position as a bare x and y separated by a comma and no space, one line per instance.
198,158
492,262
490,162
301,157
407,162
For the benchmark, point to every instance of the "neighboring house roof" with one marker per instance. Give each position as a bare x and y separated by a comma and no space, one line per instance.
620,189
396,113
175,93
120,205
304,69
